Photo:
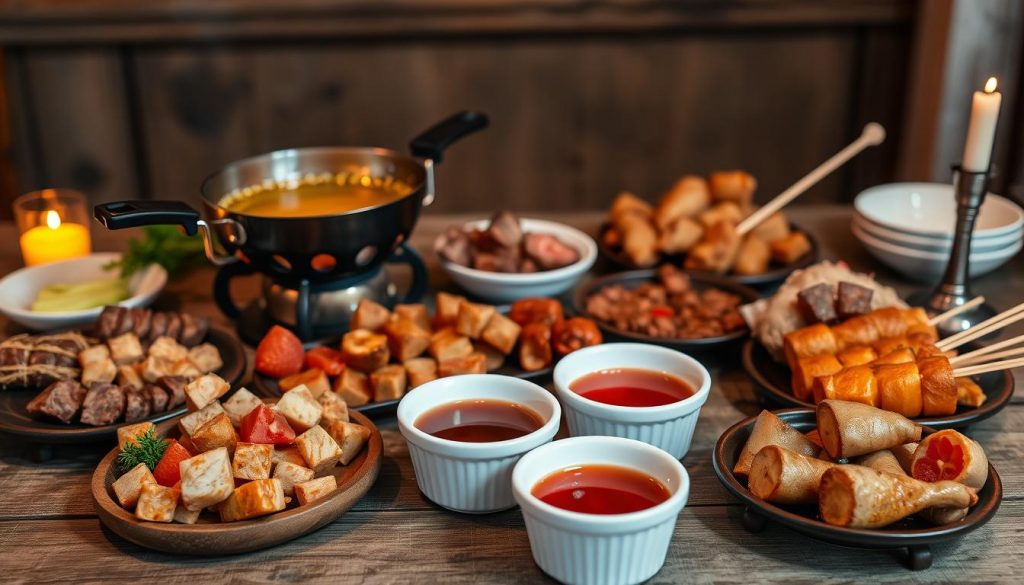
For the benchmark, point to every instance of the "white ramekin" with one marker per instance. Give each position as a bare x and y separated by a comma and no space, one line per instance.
669,427
592,549
474,478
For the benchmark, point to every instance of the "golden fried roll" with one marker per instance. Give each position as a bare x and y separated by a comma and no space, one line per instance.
784,477
680,236
856,384
887,345
685,198
728,212
888,461
790,248
888,321
717,251
900,356
938,386
857,355
753,256
639,239
807,369
771,430
808,342
969,393
924,347
917,323
737,186
899,388
849,429
859,330
626,202
773,229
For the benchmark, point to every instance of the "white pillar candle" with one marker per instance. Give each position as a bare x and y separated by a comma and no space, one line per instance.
981,131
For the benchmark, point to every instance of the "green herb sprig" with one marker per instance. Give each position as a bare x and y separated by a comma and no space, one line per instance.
148,448
165,245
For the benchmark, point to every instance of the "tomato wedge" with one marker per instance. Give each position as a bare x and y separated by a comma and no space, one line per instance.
264,425
167,472
327,359
942,460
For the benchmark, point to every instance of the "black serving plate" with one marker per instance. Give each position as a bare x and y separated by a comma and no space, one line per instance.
910,533
633,278
775,274
772,380
15,419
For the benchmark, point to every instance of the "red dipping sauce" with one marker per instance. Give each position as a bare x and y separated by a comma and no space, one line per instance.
632,387
479,421
601,489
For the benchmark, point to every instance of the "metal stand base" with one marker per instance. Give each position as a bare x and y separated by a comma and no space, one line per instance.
936,302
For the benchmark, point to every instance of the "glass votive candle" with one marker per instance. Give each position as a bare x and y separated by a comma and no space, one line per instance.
54,225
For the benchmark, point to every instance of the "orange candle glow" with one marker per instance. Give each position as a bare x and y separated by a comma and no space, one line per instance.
55,241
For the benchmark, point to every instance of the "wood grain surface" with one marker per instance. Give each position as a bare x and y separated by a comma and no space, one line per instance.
49,534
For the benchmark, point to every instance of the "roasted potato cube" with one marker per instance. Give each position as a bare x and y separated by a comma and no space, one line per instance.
129,376
501,333
318,449
474,363
153,368
100,371
96,353
240,404
353,387
206,479
252,461
364,350
493,359
215,433
206,357
183,515
406,339
446,344
315,380
156,503
472,319
300,408
315,489
129,433
253,499
790,248
290,474
334,407
388,382
416,313
289,454
350,437
369,315
193,420
128,487
168,348
447,309
186,369
125,349
419,371
204,390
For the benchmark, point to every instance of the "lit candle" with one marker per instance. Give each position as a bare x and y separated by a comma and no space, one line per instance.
54,241
981,131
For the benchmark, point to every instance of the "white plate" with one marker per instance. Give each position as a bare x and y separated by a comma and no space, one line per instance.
926,244
19,288
929,209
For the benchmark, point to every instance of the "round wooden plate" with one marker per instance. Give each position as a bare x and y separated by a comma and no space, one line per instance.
208,537
15,419
909,532
772,380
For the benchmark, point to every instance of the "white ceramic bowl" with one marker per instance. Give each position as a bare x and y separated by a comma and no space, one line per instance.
499,287
593,549
926,244
929,209
669,427
19,289
472,477
928,267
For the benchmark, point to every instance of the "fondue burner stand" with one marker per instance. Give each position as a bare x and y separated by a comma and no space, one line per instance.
317,310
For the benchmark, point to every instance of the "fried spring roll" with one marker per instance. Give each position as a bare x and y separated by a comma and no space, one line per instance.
969,393
856,384
899,356
888,462
899,388
887,345
771,430
849,429
888,321
753,256
807,369
808,342
856,331
938,386
784,477
857,355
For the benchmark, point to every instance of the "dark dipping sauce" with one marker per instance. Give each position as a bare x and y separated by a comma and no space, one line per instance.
601,489
479,421
632,387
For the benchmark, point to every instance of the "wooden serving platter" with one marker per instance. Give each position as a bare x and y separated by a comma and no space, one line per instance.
208,537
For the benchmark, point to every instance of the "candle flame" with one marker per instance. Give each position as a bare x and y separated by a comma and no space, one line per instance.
990,85
52,219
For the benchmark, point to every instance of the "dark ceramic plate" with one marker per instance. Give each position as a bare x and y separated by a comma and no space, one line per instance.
911,533
15,420
635,278
776,273
772,380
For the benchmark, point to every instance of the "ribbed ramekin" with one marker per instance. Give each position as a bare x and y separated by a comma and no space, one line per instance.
475,478
592,549
669,427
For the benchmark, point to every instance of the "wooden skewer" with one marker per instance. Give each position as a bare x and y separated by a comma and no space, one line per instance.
984,351
989,367
984,328
956,311
873,134
1017,351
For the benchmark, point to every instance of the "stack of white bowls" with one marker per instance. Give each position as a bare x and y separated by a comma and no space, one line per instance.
909,227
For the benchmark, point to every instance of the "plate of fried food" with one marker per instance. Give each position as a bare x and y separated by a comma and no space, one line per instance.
694,226
238,475
666,306
856,475
830,333
388,352
132,366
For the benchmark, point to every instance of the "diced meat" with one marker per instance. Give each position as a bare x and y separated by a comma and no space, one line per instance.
173,326
61,400
852,300
498,261
455,247
103,404
175,388
193,330
158,326
141,319
816,304
548,251
158,398
505,230
136,406
109,323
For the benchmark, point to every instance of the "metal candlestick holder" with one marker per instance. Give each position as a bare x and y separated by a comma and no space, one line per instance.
955,289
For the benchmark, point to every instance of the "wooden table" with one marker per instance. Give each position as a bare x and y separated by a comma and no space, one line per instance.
49,532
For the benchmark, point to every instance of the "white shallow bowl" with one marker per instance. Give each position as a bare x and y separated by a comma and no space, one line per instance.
929,209
926,244
928,267
669,427
474,478
593,549
19,289
500,287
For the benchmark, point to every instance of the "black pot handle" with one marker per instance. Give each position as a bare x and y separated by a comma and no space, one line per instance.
222,288
405,254
433,142
126,214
